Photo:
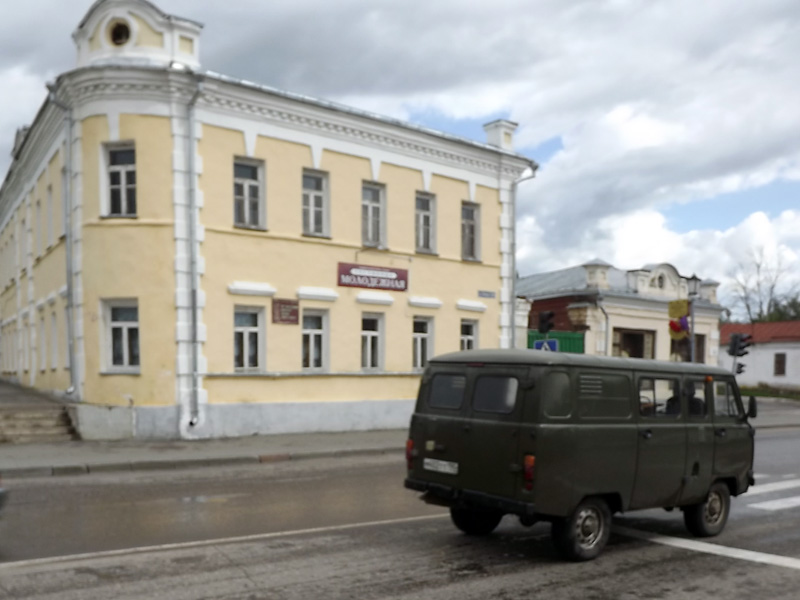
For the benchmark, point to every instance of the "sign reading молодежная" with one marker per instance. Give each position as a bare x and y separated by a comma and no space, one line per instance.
375,278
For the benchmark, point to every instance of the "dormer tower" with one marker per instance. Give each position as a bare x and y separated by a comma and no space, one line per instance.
135,32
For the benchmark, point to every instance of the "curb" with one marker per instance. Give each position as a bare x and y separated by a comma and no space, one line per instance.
192,463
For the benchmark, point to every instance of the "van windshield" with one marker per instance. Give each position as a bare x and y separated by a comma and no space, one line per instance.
447,391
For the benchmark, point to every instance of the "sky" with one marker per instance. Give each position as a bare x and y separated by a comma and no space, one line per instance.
665,130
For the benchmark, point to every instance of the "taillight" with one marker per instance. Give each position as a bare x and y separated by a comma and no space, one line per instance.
527,470
409,453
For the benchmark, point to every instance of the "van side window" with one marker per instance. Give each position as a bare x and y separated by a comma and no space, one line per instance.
447,391
659,397
495,394
604,396
725,404
555,395
695,397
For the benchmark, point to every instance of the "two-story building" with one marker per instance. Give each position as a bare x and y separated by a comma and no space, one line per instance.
184,254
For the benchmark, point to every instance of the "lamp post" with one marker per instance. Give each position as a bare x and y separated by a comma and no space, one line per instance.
694,291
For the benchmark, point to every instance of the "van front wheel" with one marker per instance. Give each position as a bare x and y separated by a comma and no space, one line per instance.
708,518
475,522
584,534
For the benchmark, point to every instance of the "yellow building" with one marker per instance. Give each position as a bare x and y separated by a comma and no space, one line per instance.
188,255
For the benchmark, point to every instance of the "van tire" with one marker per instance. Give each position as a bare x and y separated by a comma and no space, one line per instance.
583,535
475,522
708,518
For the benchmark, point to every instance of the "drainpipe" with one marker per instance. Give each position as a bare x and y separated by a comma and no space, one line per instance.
602,308
533,167
73,390
194,403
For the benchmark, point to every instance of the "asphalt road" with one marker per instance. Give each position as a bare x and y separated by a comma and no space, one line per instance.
345,528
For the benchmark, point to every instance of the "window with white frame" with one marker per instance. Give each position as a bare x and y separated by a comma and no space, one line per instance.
42,345
39,230
470,231
122,321
371,343
315,203
372,215
53,342
121,181
469,334
314,340
425,223
247,335
49,215
423,341
247,193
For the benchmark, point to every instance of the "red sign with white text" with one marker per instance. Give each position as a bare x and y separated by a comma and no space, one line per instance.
374,278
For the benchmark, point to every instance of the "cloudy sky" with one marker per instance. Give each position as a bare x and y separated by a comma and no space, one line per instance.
666,130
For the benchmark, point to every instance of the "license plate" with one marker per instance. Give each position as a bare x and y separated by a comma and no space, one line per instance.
440,466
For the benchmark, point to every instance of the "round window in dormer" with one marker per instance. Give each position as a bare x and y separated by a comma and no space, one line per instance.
120,33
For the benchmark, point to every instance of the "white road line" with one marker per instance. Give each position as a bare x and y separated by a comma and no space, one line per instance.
774,560
778,486
36,562
788,476
781,504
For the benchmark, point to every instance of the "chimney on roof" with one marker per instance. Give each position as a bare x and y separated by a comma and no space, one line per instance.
500,133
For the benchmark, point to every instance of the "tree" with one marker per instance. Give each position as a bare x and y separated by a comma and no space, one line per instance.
761,289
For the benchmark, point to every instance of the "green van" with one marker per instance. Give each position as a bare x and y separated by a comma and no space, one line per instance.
572,439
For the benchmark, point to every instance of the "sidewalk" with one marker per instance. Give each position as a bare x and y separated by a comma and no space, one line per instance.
80,457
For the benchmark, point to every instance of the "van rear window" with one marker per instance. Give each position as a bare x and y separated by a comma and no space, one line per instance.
495,394
447,391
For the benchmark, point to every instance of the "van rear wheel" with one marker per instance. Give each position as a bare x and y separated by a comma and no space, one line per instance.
708,518
583,535
475,522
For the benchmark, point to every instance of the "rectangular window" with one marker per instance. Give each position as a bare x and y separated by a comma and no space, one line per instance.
695,398
314,342
725,402
422,337
469,334
247,351
42,345
371,330
630,343
495,394
49,215
470,231
123,335
425,223
372,217
247,195
780,363
121,182
447,391
659,397
39,230
53,342
315,203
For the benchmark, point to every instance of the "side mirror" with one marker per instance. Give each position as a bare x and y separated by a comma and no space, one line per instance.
752,408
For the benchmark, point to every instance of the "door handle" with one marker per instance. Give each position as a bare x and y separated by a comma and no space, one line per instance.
647,434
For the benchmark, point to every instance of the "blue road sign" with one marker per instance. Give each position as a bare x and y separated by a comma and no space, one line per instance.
546,345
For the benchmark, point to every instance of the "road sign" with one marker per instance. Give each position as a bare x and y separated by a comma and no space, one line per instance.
546,345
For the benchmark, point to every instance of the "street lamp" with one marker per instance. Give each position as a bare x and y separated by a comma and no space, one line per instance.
694,291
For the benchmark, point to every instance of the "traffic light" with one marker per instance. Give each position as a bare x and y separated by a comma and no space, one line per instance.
745,341
546,318
739,369
733,344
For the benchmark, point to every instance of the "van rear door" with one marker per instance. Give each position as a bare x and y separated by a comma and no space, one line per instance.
492,463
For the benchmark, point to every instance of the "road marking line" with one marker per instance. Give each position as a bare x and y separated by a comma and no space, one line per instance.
778,486
792,502
36,562
774,560
788,476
